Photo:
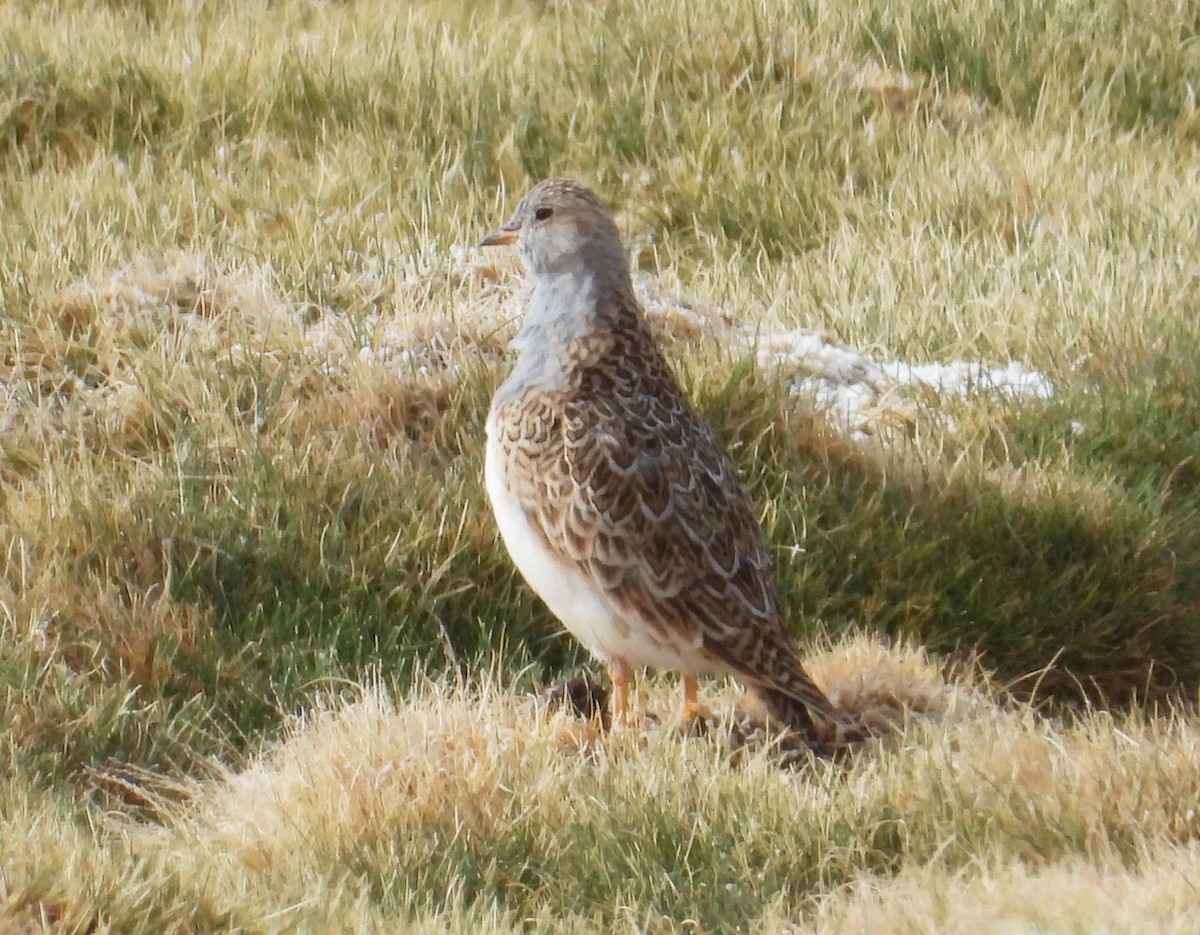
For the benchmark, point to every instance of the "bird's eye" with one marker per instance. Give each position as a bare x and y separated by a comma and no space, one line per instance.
542,213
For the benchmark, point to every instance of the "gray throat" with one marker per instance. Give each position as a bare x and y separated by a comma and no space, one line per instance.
561,309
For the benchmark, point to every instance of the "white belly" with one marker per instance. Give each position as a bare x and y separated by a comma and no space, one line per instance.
572,596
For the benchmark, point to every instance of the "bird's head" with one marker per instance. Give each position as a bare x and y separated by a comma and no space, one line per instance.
561,227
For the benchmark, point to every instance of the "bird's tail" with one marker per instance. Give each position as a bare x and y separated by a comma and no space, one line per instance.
796,704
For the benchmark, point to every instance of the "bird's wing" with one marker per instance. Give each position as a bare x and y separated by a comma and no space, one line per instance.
642,497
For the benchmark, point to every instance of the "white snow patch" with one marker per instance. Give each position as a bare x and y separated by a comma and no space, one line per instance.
856,389
961,377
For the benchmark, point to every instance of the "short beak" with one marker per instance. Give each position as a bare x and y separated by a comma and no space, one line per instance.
500,237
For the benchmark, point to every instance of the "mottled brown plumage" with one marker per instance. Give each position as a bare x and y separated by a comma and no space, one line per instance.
616,501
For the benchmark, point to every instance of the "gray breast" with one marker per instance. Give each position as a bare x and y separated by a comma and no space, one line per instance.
561,310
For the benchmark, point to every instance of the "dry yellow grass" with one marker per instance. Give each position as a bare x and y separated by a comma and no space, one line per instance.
368,808
1156,894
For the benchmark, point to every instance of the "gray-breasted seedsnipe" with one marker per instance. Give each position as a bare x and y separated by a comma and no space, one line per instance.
615,500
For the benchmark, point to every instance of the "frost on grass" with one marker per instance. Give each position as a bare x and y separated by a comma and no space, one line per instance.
117,358
862,394
419,318
373,317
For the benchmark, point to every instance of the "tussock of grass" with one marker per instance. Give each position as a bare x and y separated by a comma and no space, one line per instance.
486,799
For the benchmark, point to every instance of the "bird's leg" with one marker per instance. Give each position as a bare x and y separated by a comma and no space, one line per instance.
691,706
618,672
692,711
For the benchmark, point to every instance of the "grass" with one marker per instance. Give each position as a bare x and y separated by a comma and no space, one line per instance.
262,659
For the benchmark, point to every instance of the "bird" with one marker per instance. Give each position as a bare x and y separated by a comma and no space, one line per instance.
616,501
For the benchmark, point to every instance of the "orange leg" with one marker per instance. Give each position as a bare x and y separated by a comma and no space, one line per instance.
618,672
691,703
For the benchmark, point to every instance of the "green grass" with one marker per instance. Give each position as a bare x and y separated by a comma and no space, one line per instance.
243,379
